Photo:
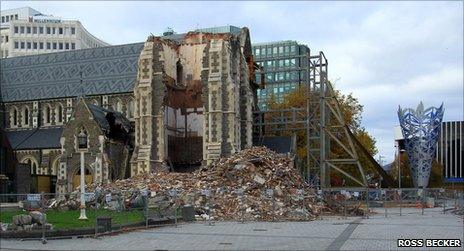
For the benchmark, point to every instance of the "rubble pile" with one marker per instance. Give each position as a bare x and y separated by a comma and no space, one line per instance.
254,184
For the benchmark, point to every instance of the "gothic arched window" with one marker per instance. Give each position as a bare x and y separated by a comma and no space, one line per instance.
25,116
180,72
59,113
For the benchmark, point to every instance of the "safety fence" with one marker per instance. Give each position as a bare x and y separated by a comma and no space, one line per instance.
46,215
385,202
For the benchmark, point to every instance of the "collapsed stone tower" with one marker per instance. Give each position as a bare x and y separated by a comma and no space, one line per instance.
195,95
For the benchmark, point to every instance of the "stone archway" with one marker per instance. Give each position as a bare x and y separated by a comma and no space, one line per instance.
76,177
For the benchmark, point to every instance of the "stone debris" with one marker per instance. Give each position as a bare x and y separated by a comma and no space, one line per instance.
32,221
254,184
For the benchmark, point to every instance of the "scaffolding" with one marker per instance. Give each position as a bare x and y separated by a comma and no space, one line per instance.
323,121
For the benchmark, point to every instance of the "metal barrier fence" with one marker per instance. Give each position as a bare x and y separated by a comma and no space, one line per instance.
48,215
387,202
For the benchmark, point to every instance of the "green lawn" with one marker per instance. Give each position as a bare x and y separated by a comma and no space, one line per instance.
69,219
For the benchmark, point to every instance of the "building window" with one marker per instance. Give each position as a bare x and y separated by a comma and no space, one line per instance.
59,113
7,19
82,139
49,47
21,29
28,30
49,30
118,106
25,116
32,164
3,19
34,30
16,45
6,39
60,46
41,30
34,45
29,46
66,46
53,30
16,16
47,114
54,46
41,45
257,52
16,30
274,50
60,31
269,51
130,109
281,49
14,117
73,30
73,46
179,72
292,62
23,45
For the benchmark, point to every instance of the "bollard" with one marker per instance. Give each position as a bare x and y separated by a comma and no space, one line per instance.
320,194
173,194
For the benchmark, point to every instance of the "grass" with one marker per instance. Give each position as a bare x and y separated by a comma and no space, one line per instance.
69,219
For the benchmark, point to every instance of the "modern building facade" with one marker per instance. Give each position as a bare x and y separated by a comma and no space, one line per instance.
285,67
450,150
178,99
25,31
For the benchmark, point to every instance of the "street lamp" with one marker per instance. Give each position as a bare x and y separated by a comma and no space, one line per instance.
82,146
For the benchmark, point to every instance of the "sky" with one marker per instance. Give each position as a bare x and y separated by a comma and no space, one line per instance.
385,53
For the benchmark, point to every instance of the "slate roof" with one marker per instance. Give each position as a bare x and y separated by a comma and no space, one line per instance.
99,114
109,69
105,70
37,138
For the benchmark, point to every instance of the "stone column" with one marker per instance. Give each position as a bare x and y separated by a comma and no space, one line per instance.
62,182
149,154
35,114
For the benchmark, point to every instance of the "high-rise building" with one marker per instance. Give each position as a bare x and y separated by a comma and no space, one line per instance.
285,66
450,150
25,31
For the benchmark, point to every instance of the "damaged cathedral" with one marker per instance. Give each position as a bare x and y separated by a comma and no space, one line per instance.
170,103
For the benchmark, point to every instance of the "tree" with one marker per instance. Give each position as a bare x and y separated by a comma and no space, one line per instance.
436,174
352,115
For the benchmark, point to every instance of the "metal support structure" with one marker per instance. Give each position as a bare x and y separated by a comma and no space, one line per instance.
323,121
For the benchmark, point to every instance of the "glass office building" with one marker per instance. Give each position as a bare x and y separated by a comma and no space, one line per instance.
284,64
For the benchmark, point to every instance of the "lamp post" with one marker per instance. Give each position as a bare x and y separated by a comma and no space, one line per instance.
82,145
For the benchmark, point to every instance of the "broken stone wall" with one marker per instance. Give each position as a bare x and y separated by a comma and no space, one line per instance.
209,86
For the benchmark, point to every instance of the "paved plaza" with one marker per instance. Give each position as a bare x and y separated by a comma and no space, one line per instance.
331,233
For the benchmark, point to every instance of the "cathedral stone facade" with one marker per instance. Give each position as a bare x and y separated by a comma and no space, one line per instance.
171,101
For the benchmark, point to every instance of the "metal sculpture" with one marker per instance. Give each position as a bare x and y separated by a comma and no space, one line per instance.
421,128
